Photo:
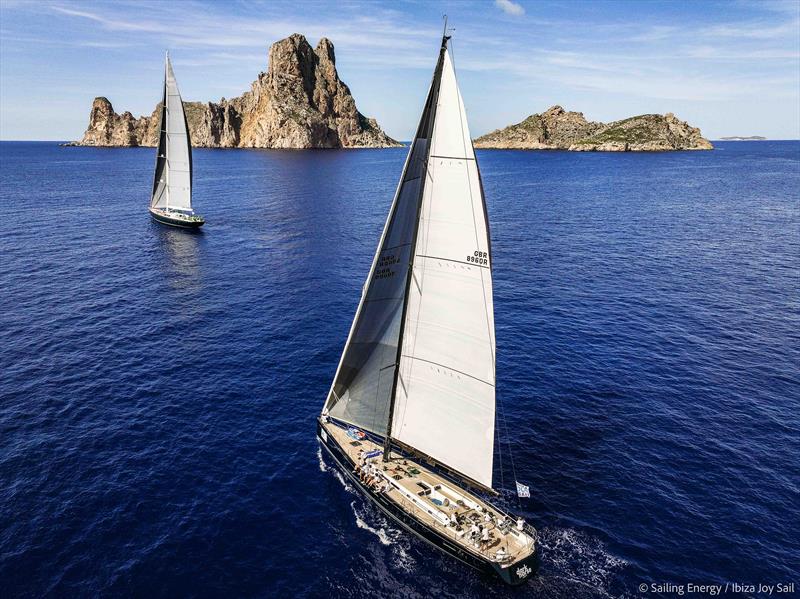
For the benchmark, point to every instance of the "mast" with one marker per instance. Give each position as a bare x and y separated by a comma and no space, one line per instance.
159,173
166,120
425,126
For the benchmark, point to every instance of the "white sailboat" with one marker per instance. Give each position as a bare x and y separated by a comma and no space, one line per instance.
410,413
171,202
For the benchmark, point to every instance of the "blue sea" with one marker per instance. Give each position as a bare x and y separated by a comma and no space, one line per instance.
159,388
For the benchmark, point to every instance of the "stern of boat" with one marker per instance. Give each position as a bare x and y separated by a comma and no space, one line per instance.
520,571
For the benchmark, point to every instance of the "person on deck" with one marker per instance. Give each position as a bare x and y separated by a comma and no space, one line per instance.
520,524
485,538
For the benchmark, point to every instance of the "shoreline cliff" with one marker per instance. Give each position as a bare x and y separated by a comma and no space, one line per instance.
299,102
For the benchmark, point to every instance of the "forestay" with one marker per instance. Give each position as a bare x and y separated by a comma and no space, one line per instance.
172,184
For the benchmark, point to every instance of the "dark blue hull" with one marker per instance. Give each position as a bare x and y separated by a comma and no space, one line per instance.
177,222
514,575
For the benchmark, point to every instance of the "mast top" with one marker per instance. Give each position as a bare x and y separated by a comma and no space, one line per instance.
445,37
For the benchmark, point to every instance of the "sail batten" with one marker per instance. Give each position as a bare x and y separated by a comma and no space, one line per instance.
172,182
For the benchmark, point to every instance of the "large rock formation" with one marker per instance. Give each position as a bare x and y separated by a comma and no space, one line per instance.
300,102
558,129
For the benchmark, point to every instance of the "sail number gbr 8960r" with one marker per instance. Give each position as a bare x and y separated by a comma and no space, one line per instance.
384,269
478,257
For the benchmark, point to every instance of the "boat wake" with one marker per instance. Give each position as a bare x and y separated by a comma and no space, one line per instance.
335,471
577,563
368,518
383,537
323,467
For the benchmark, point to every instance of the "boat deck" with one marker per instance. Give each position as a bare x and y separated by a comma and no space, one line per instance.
436,502
176,215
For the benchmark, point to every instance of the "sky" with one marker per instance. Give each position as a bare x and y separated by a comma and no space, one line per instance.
729,67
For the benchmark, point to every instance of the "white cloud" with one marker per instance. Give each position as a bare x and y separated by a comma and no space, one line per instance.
509,7
170,26
754,30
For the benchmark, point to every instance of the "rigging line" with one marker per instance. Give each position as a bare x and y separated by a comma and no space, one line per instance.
510,452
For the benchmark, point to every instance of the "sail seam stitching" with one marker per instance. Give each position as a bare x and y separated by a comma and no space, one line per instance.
448,368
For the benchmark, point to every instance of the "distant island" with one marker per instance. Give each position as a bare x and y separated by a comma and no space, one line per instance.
558,129
300,102
741,138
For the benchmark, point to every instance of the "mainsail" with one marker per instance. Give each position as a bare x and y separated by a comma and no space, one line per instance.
172,183
419,363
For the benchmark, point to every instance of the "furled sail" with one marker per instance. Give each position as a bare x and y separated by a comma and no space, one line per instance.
172,183
419,362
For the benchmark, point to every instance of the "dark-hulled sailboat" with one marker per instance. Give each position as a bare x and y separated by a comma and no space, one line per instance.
171,202
410,414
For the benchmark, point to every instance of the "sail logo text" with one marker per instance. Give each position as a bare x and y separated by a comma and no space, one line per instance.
384,268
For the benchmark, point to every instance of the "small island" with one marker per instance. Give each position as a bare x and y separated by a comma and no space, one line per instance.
559,129
300,102
743,138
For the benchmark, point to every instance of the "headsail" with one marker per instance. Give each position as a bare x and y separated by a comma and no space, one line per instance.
172,183
364,382
420,360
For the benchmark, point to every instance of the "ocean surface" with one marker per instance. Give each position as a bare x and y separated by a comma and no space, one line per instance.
158,388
